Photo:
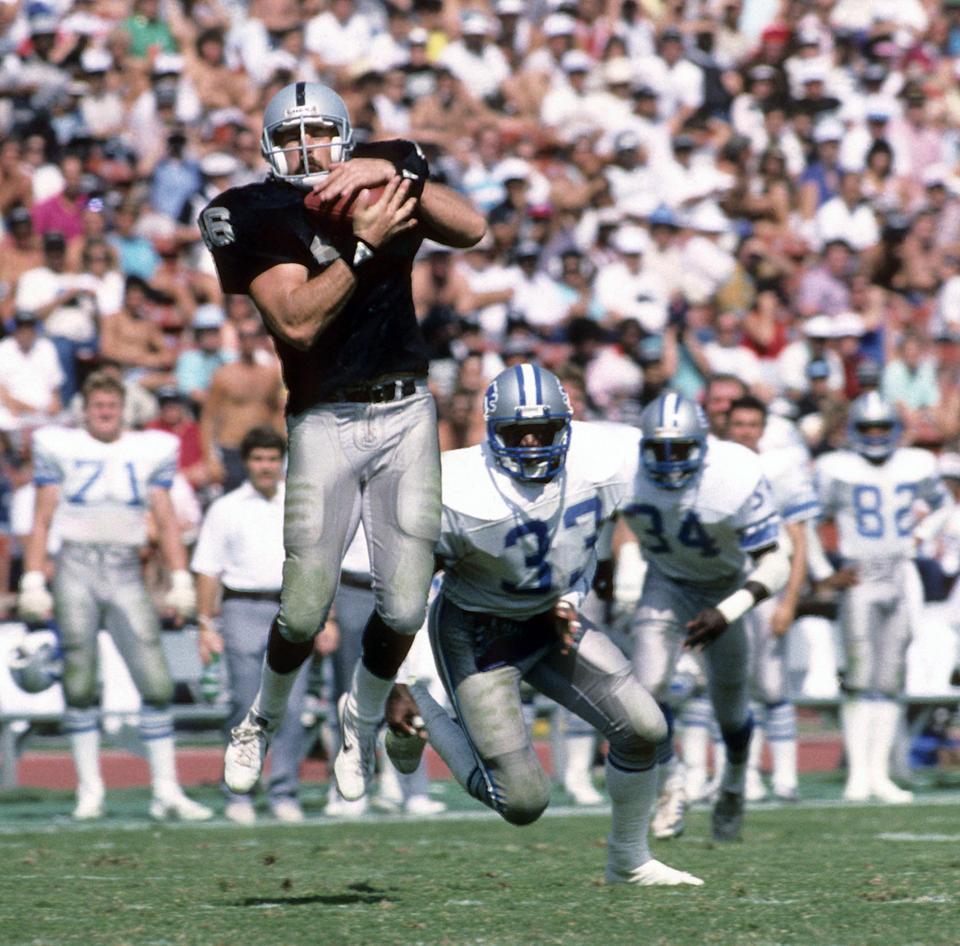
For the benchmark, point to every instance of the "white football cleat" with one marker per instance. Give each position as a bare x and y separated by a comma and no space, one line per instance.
581,790
243,760
890,793
356,761
89,805
754,789
652,874
671,807
423,805
338,807
177,806
405,752
287,810
240,812
856,791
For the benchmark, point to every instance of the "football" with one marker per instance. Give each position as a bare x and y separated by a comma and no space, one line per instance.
340,211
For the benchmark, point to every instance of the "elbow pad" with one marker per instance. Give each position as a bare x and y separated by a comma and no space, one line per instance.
772,571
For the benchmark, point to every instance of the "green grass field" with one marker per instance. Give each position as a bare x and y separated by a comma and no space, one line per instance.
813,874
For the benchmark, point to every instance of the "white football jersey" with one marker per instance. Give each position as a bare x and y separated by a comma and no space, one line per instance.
104,487
512,548
787,470
703,533
875,505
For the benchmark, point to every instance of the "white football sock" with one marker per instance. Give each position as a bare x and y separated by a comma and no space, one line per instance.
85,748
632,797
579,751
782,738
163,765
884,715
855,719
271,700
368,694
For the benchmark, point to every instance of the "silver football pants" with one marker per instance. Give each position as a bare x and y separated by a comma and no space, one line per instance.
347,462
101,586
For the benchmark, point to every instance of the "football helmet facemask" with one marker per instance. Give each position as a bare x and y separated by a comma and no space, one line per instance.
35,664
295,109
527,399
873,428
674,441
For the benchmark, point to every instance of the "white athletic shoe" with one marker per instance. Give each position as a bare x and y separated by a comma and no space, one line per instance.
581,790
423,805
175,805
243,760
338,807
890,793
240,812
856,791
668,820
356,761
405,752
287,810
651,874
89,805
754,789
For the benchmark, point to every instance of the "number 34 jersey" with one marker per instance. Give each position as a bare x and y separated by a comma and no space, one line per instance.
875,505
512,548
702,533
104,487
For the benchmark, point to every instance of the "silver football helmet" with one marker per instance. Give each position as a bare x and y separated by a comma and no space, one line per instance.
35,664
674,441
299,106
871,411
528,399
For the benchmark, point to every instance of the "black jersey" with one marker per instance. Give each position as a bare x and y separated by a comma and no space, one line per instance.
254,228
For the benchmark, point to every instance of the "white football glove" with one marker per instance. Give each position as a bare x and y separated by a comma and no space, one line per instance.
34,603
182,596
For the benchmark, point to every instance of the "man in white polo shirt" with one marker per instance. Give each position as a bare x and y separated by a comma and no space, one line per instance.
240,549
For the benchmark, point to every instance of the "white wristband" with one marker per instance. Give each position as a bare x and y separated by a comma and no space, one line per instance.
32,581
737,605
181,578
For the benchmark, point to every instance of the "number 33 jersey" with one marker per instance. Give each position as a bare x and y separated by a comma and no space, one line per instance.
875,504
703,532
513,548
104,487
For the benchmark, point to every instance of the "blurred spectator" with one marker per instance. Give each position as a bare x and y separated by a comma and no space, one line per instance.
30,376
139,405
63,212
174,417
244,394
196,366
625,289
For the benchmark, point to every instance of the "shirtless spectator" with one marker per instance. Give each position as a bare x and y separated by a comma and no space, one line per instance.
243,394
19,251
461,422
197,364
437,285
16,188
133,339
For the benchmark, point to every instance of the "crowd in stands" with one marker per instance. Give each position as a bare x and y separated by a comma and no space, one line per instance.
673,190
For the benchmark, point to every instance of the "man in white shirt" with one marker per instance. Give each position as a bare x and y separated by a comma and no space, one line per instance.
30,376
626,289
848,216
339,36
474,60
240,553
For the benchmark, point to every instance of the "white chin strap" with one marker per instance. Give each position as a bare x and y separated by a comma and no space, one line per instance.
336,149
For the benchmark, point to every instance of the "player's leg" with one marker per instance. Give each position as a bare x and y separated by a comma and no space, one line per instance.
286,754
321,511
77,611
658,633
756,625
595,681
726,662
401,518
857,611
779,714
487,747
889,640
131,619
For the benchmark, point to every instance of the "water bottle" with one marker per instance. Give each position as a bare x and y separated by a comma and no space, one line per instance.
211,681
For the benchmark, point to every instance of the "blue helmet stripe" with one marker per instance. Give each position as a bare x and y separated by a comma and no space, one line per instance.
301,93
521,386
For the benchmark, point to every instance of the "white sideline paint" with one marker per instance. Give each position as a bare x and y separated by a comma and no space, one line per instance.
922,838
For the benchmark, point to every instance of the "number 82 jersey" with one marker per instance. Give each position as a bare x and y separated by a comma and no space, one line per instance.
104,486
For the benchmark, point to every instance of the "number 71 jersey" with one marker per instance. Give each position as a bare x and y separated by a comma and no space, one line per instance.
703,532
875,504
104,487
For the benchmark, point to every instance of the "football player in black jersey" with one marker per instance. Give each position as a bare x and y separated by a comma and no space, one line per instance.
335,294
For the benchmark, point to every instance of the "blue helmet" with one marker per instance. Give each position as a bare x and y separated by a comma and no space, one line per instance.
674,440
868,411
35,664
522,399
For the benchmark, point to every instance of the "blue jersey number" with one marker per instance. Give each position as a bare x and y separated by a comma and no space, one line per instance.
868,510
95,467
691,534
538,558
